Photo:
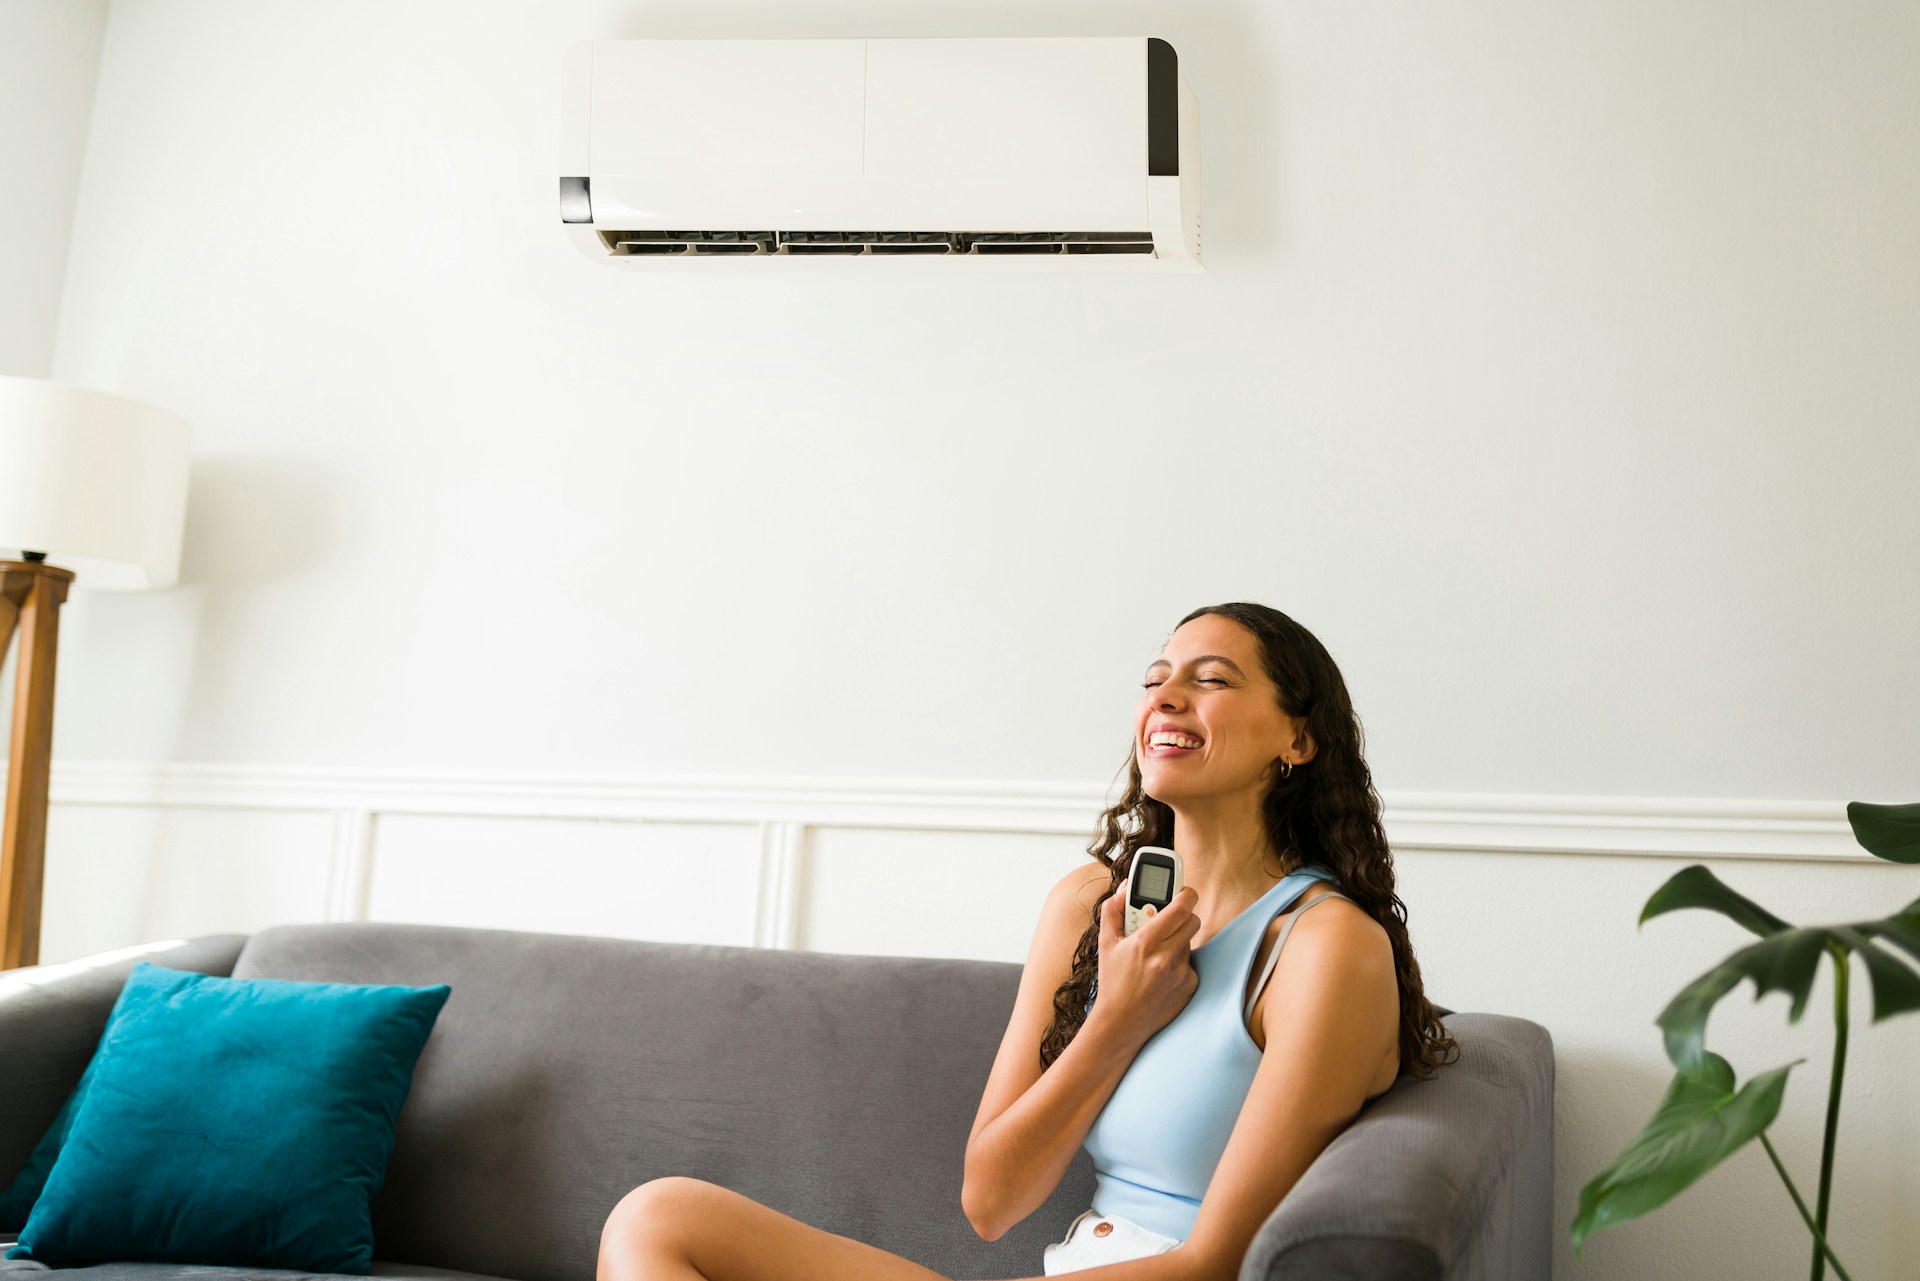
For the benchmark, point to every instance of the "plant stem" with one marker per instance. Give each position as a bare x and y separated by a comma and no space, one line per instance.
1841,963
1819,1239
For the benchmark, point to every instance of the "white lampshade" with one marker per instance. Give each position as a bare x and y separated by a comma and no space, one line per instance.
97,482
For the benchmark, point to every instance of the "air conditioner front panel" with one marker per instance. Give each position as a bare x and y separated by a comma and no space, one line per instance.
679,109
1039,108
814,202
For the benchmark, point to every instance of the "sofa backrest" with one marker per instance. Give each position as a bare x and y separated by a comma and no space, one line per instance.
565,1071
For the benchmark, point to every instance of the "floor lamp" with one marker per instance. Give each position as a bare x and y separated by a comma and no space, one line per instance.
99,483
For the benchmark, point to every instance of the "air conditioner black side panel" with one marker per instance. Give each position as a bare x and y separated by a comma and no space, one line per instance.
1163,110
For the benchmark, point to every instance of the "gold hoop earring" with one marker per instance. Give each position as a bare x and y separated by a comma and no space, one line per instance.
1286,768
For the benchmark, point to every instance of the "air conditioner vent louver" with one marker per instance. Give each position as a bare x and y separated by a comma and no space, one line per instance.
878,242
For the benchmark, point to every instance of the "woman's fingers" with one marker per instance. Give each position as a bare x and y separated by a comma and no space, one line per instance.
1111,920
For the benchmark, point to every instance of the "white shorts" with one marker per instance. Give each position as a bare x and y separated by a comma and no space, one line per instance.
1087,1246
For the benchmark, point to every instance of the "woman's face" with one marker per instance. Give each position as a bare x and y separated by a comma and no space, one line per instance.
1210,684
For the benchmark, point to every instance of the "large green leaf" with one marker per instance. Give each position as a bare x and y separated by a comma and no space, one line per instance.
1902,930
1697,886
1891,832
1700,1122
1785,962
1786,959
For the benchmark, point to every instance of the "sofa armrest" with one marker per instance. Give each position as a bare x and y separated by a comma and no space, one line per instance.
1446,1178
51,1017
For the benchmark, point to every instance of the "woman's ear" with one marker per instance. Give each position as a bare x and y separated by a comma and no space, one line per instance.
1303,744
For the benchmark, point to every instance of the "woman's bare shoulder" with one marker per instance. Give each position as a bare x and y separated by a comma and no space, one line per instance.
1082,887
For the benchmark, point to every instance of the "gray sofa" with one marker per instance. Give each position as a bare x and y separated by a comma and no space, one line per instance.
838,1089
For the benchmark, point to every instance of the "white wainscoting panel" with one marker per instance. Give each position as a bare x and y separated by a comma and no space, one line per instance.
670,882
126,875
99,875
883,892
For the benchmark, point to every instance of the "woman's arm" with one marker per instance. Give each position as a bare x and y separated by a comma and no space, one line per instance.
1015,1163
1031,1124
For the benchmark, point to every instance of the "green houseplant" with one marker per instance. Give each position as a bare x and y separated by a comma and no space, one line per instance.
1703,1118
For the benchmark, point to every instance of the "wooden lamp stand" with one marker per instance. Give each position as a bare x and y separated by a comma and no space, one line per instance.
100,482
31,593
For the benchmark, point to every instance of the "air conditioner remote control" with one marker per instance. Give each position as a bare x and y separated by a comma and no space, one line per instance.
1152,881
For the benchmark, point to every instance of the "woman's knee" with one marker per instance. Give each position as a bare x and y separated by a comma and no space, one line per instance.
654,1207
644,1233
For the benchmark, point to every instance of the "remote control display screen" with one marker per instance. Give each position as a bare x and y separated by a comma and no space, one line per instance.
1153,882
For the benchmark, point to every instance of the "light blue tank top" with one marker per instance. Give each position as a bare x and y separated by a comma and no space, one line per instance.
1156,1143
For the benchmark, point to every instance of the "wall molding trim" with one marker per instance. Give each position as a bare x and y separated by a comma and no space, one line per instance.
786,807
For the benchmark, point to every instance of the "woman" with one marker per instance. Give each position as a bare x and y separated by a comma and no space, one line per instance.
1153,1049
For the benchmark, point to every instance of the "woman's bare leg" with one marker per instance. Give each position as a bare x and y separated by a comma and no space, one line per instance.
679,1229
643,1261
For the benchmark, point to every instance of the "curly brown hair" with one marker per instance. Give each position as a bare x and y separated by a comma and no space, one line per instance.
1324,812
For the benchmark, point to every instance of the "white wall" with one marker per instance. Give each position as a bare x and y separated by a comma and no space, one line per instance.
49,58
1553,366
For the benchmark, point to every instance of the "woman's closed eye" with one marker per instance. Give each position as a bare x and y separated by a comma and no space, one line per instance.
1204,680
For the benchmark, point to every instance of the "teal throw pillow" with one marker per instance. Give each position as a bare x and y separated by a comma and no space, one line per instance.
233,1122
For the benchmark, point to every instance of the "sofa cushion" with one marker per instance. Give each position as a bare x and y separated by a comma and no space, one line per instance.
28,1270
232,1121
51,1017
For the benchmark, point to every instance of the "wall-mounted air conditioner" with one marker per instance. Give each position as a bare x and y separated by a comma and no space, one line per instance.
1005,153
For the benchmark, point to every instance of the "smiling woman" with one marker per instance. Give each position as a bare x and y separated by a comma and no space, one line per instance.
1247,760
1152,1048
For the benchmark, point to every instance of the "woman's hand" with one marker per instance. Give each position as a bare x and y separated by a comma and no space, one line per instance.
1146,977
